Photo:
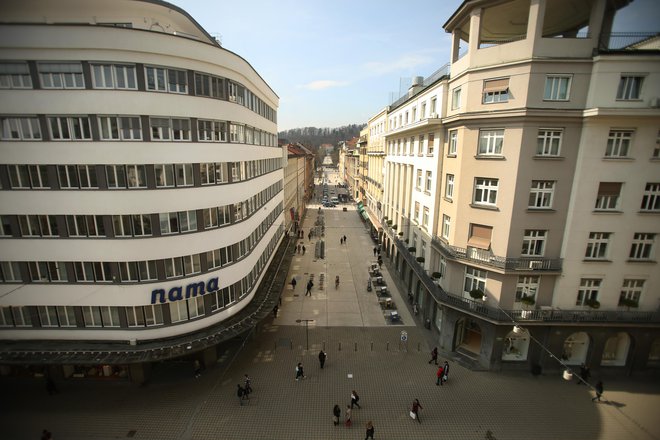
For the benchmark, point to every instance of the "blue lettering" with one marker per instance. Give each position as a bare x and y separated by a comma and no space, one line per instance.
175,294
192,289
158,293
212,285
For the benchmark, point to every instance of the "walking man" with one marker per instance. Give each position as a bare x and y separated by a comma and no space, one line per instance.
336,413
434,355
375,250
344,239
322,357
354,399
445,373
599,391
303,249
416,406
293,283
248,385
439,374
370,430
309,288
299,371
240,392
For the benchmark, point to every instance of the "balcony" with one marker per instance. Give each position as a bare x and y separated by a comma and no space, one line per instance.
500,316
485,258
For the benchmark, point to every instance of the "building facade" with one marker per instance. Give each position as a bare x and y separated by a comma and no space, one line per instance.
141,183
544,203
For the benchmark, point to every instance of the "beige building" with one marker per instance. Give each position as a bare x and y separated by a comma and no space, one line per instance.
543,199
373,171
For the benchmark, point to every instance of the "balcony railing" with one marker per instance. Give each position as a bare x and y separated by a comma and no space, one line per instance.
480,308
486,258
630,41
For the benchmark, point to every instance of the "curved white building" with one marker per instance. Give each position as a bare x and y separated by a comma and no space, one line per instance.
141,180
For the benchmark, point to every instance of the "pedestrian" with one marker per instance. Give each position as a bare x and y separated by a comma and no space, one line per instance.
275,311
341,240
198,368
434,355
375,250
46,435
414,412
309,236
310,284
303,249
298,247
344,239
370,430
322,358
299,371
50,386
240,393
599,391
380,263
336,413
584,374
355,399
347,417
293,283
248,385
445,372
439,374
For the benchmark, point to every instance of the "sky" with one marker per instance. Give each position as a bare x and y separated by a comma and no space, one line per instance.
337,62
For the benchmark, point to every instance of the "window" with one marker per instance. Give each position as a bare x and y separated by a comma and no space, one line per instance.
38,225
133,271
10,271
557,88
490,142
141,225
630,87
422,111
19,129
433,107
181,129
496,90
116,175
449,186
144,316
541,193
534,242
456,98
147,270
165,129
47,271
161,79
57,316
15,76
474,279
414,114
184,174
15,317
425,217
485,191
71,128
642,246
114,76
125,128
597,246
608,196
418,185
85,225
480,238
420,145
588,291
631,290
416,213
61,75
236,133
191,264
207,85
211,131
527,286
429,181
453,143
164,175
446,224
95,316
656,148
173,267
651,198
618,143
549,142
173,222
431,146
28,176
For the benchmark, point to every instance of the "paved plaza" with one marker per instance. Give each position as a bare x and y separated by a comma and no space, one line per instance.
364,354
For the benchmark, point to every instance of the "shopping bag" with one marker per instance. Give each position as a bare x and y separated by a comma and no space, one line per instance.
413,415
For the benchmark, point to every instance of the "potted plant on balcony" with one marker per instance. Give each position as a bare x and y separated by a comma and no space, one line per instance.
401,234
389,223
420,259
436,275
593,303
528,301
477,294
412,249
628,303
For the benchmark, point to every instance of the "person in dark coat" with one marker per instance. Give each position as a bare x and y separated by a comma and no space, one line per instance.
445,373
299,371
336,413
599,391
322,357
416,406
434,355
354,399
293,283
370,430
240,393
309,288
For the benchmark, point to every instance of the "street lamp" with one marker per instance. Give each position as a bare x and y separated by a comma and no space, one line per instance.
306,321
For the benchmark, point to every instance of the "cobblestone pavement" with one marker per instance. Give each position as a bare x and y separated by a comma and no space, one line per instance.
364,354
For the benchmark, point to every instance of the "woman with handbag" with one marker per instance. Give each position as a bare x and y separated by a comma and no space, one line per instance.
414,412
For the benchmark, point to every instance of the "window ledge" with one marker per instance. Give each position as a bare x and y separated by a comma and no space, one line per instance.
607,211
486,207
630,260
451,155
428,193
618,158
544,157
654,159
489,157
447,199
596,260
629,100
546,210
429,154
648,212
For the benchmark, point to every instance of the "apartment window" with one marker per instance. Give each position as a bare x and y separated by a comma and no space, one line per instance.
28,176
38,225
15,76
431,146
191,264
422,111
182,221
15,317
416,213
456,98
161,79
485,191
608,196
144,316
57,316
651,198
165,129
164,175
446,225
588,291
207,85
114,76
10,271
419,180
420,145
429,181
474,279
631,290
618,143
630,87
597,245
656,148
642,246
211,131
414,114
490,142
19,129
116,176
449,186
453,143
425,217
70,128
103,316
85,225
534,242
541,194
125,128
173,267
496,90
184,174
61,75
549,142
141,225
434,107
236,133
47,271
557,88
527,286
128,271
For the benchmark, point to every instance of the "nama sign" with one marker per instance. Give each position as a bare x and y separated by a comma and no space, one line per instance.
178,293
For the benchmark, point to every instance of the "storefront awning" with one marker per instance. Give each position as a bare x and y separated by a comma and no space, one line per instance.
360,206
364,215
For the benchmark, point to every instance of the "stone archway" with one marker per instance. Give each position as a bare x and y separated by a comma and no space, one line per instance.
467,336
516,345
575,349
615,352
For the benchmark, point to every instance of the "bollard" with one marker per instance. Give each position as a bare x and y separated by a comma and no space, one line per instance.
323,345
388,347
372,345
356,346
340,346
418,347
